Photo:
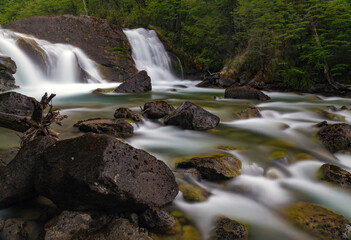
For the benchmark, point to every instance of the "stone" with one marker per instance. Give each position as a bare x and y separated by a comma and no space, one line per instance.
227,81
157,220
17,178
97,171
318,221
191,116
245,92
250,112
32,49
19,229
192,193
138,83
335,137
126,113
335,175
214,167
115,127
16,103
228,229
157,109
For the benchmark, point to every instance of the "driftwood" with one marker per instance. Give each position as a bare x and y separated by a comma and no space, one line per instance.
38,124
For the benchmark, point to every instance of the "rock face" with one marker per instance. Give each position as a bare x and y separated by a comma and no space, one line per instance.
105,43
100,172
157,109
126,113
214,167
318,221
335,175
140,82
245,92
17,178
7,69
335,137
227,229
191,116
16,103
114,127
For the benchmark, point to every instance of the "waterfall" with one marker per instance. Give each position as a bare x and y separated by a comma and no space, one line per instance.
63,63
150,55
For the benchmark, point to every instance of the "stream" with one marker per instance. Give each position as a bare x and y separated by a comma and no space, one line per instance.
280,153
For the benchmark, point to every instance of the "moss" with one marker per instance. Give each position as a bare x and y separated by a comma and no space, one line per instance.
192,193
277,155
229,148
103,90
190,233
303,157
67,39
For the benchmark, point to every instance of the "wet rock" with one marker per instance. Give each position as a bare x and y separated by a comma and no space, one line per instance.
157,109
210,81
7,69
126,113
140,82
105,43
115,127
318,221
245,92
97,171
157,220
214,167
335,137
17,178
227,81
16,103
18,229
228,229
335,175
250,112
191,116
32,49
103,90
192,193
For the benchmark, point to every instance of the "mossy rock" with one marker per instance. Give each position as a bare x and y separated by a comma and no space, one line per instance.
192,193
250,112
277,155
228,229
318,221
335,175
303,157
103,90
190,233
229,148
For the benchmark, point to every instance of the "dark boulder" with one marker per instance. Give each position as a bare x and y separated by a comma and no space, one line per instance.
126,113
214,167
115,127
16,103
17,178
335,137
228,229
105,43
157,109
245,92
335,175
7,69
227,81
157,220
191,116
100,172
209,81
140,82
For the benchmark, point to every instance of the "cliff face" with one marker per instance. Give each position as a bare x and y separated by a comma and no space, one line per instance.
106,44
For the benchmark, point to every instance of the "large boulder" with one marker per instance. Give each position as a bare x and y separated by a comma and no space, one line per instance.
191,116
335,175
105,43
7,69
115,127
16,103
100,172
245,92
214,167
157,109
140,82
17,178
126,113
335,137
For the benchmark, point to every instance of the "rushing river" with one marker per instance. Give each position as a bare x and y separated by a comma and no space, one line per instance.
279,152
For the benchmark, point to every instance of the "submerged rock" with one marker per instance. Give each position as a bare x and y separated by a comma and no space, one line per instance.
192,193
250,112
335,175
17,178
245,92
318,221
335,137
140,82
228,229
16,103
126,113
157,109
7,69
115,127
100,172
214,167
191,116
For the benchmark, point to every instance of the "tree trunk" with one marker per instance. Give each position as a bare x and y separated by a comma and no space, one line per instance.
14,122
